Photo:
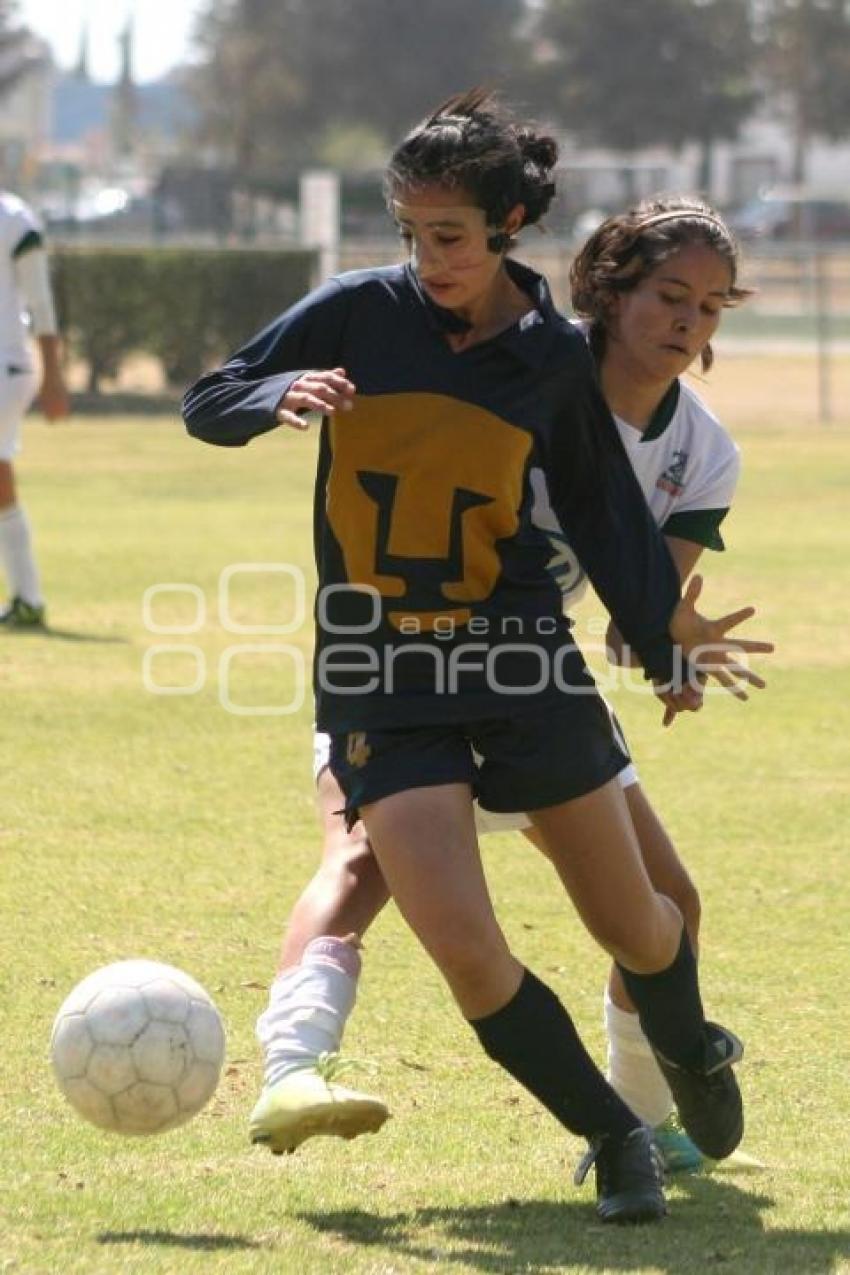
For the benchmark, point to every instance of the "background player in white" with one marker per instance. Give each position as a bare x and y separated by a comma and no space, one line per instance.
650,286
24,290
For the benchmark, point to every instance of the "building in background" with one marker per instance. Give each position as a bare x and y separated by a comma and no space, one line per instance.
760,159
88,154
27,75
113,161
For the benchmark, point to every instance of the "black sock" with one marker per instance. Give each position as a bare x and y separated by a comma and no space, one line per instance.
669,1006
534,1039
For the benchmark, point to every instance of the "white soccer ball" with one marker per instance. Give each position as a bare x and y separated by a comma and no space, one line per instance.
138,1047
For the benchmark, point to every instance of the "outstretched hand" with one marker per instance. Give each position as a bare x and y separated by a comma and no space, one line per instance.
708,649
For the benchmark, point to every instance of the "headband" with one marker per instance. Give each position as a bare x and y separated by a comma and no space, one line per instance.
680,213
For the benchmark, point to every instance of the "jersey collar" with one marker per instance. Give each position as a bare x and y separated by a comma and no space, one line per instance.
663,414
530,339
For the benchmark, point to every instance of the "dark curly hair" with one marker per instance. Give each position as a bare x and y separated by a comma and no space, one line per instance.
473,143
628,247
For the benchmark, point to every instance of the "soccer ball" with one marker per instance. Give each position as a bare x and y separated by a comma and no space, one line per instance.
137,1047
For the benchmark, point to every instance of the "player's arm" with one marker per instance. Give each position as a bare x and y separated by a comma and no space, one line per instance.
608,523
53,395
690,529
627,561
32,277
242,399
685,554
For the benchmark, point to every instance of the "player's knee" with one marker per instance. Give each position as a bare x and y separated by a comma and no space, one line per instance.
348,857
644,943
681,891
350,868
475,970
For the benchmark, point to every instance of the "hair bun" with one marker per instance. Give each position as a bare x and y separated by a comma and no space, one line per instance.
540,150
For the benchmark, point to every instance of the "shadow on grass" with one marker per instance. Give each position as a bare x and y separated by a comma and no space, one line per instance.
64,635
712,1223
173,1239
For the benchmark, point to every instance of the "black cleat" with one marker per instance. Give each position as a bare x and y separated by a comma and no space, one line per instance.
23,615
629,1182
707,1097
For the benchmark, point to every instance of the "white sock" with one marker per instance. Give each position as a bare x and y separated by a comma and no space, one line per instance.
632,1069
17,555
309,1007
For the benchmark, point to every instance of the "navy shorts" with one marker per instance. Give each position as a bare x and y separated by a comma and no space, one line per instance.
524,762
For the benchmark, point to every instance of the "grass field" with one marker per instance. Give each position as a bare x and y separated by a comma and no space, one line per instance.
135,823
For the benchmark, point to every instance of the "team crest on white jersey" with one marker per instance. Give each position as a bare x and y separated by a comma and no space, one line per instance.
673,478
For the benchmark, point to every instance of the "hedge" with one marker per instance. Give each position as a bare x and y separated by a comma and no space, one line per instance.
189,307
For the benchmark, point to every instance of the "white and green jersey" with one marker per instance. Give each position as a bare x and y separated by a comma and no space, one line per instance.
687,466
19,232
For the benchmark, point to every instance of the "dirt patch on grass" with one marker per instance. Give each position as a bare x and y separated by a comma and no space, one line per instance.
769,389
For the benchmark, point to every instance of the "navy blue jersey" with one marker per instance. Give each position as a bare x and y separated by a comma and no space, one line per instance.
435,603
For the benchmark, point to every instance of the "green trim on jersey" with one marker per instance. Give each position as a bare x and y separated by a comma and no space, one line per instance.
32,239
699,525
663,414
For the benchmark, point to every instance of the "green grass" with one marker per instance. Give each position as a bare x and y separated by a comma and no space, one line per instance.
135,824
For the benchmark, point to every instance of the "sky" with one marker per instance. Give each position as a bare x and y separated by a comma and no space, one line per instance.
162,30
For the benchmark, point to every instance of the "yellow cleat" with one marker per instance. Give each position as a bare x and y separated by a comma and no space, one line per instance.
307,1104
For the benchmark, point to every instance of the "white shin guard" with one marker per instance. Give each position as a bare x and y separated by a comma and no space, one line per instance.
309,1007
632,1069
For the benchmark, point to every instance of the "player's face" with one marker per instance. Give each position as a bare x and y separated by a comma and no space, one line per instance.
663,324
447,239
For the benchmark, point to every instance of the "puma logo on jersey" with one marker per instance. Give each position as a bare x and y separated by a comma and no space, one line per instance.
673,478
357,751
423,491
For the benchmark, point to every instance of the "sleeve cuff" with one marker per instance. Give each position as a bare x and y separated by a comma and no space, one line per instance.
659,659
701,526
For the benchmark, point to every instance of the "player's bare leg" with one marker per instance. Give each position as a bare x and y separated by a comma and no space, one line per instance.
632,1067
314,992
594,846
347,891
426,843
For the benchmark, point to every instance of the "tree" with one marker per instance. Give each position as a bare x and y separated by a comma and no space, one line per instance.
275,81
668,72
396,59
807,63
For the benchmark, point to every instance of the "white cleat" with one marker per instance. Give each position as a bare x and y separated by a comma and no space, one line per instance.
308,1104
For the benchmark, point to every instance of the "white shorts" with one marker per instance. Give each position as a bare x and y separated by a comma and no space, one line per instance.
321,752
17,390
488,820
